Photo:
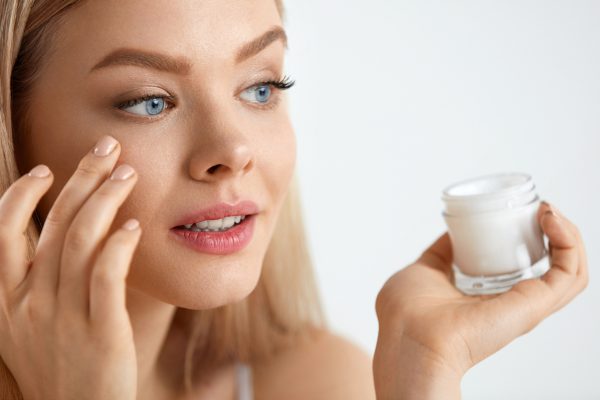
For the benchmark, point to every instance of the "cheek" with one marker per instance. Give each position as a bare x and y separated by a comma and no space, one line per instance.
279,161
154,187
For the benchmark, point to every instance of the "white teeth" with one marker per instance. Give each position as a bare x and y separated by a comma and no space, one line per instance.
216,224
202,225
228,222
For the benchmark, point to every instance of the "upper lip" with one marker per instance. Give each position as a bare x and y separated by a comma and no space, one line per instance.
219,211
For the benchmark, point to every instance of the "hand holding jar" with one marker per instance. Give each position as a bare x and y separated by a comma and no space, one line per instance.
430,333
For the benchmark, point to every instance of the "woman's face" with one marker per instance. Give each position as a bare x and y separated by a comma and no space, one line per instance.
209,112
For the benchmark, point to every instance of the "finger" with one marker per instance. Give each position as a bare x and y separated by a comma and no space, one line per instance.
582,272
83,239
109,272
565,252
17,205
91,172
581,275
439,255
530,301
581,280
545,206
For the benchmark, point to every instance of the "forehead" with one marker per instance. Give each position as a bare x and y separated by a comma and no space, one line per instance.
204,30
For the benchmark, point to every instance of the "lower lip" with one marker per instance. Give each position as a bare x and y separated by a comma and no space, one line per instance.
226,242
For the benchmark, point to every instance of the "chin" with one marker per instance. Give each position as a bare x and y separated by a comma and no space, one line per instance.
214,297
214,285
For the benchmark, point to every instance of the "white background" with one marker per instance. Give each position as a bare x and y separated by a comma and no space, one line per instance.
394,100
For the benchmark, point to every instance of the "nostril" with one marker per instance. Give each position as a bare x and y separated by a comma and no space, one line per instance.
213,168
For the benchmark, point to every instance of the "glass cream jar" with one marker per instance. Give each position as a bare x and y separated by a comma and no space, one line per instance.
496,238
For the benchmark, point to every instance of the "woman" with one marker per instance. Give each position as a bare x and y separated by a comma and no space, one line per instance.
167,260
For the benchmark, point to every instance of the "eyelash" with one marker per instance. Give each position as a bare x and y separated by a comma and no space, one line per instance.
279,84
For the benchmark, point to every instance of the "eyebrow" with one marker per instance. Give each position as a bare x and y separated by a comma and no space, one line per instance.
182,65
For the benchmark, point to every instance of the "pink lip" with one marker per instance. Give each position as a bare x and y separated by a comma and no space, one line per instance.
219,211
214,242
230,241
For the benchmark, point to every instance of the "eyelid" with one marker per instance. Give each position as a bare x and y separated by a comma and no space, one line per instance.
143,97
283,83
277,86
170,101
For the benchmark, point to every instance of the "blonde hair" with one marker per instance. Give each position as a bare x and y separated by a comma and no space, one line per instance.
283,308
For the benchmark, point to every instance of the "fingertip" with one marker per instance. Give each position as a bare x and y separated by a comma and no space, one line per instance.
40,171
131,224
548,220
557,232
544,206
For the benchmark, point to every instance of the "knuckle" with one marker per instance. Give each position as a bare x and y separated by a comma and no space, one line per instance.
106,193
56,215
36,308
87,168
76,239
103,279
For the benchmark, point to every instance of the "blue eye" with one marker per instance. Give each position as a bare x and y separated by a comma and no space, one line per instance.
145,106
260,93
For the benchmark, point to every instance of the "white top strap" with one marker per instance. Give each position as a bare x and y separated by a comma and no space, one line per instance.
244,381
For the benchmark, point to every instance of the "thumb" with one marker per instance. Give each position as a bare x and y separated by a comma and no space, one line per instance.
439,255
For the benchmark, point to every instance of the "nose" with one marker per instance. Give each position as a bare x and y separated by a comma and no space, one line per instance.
221,155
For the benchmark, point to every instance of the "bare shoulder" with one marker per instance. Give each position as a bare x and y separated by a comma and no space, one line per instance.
329,366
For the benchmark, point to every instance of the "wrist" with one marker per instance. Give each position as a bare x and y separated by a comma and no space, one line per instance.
404,370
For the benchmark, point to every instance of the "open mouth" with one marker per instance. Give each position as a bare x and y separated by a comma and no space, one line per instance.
215,225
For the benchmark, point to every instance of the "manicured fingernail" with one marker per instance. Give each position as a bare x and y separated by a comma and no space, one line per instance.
122,172
131,224
40,171
105,146
551,212
551,209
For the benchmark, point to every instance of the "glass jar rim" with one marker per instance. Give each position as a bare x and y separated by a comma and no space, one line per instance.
494,213
489,186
